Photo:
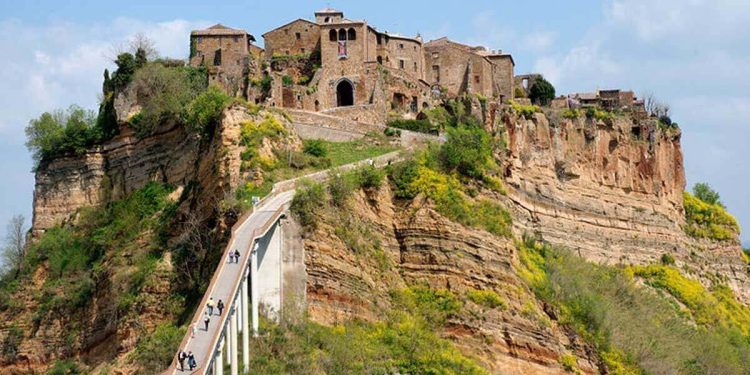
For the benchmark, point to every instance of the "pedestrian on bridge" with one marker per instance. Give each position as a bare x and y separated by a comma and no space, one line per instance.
220,306
181,356
236,256
210,305
191,361
206,320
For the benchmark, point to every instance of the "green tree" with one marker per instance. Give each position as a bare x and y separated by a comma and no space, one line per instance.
704,192
126,67
59,132
542,92
204,112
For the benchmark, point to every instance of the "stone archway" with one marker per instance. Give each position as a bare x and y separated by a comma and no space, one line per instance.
344,93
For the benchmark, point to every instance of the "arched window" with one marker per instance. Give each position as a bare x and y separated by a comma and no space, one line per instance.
327,19
380,60
332,36
351,35
342,34
344,94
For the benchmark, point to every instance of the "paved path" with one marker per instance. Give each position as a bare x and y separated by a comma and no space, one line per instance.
224,282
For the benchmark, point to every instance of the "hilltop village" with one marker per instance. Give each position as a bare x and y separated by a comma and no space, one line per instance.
349,69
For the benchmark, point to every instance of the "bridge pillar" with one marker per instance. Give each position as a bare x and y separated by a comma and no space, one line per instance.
228,337
218,363
233,339
245,327
254,287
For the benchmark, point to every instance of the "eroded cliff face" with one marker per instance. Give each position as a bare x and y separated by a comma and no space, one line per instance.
419,246
101,332
610,191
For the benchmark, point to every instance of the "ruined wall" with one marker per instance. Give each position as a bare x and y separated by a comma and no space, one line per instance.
502,72
234,60
298,37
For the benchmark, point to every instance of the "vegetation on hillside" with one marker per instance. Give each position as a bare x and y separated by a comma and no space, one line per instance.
606,306
541,92
706,216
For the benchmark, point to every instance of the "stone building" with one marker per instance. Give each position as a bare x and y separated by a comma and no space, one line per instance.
459,69
299,37
225,52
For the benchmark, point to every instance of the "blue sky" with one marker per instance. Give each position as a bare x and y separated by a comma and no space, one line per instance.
693,54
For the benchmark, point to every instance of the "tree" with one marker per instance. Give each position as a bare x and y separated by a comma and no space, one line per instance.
467,150
145,45
542,92
704,192
14,248
60,132
655,107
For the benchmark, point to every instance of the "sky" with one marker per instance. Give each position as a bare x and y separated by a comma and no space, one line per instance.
692,54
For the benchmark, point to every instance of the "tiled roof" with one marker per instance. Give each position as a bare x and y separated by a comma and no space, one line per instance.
219,29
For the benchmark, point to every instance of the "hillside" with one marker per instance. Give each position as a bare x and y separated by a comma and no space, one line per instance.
531,241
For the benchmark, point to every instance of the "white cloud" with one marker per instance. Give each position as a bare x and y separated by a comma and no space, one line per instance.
539,41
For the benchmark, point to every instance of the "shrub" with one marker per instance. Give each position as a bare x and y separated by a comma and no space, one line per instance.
571,113
370,177
65,367
11,342
467,151
390,132
599,114
315,147
486,298
569,363
308,199
340,187
422,126
526,111
287,81
154,353
541,92
434,305
204,112
667,259
519,93
402,175
303,80
126,67
711,221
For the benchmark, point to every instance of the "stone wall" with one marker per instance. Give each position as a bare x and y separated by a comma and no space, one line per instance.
406,50
234,59
298,37
502,71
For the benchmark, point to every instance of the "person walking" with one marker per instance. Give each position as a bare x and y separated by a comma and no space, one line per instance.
193,328
236,256
191,361
231,256
220,306
181,356
210,305
206,320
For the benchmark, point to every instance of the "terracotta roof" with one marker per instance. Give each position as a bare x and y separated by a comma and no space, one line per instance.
220,29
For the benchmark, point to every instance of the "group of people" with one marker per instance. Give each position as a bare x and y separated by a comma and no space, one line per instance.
234,257
182,356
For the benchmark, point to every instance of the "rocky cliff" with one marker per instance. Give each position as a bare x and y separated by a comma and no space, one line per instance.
610,191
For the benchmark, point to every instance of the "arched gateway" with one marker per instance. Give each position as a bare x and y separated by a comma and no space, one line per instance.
344,93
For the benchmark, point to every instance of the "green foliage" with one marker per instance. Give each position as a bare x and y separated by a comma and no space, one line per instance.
287,81
704,192
165,94
667,259
439,117
435,306
308,200
126,67
315,147
467,151
541,92
599,114
391,132
711,221
401,175
65,367
526,111
519,93
340,187
155,352
569,363
607,308
487,298
263,83
370,177
571,114
74,254
303,80
422,126
62,132
11,342
204,112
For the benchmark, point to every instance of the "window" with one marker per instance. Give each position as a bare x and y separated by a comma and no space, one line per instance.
217,57
476,79
436,73
401,64
415,66
379,38
351,34
342,34
401,46
298,36
380,60
332,36
286,31
327,19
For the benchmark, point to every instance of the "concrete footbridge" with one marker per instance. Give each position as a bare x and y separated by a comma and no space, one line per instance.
244,285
